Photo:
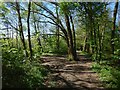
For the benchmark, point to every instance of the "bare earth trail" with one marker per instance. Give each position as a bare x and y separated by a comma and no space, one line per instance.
71,74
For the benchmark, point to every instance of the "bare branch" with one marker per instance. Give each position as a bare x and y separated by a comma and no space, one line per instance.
46,9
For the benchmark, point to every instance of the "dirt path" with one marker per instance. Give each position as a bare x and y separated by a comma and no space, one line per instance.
71,74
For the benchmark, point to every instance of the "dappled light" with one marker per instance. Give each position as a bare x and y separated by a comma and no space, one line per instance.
71,74
74,45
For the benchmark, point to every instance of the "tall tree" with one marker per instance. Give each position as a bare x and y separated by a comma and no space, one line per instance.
114,26
57,30
28,25
68,33
21,29
74,37
36,25
70,30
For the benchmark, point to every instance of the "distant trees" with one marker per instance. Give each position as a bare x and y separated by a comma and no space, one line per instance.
96,23
89,19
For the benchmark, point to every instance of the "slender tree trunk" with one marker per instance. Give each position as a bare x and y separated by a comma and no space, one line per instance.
36,31
91,37
58,38
28,25
21,29
8,35
113,29
74,38
39,40
16,38
100,48
90,19
95,41
119,26
101,36
12,38
57,30
87,45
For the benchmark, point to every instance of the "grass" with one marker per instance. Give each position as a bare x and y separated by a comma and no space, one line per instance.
109,74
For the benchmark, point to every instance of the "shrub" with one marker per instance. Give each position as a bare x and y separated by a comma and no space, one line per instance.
19,72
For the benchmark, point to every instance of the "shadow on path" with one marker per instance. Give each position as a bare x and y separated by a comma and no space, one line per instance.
71,74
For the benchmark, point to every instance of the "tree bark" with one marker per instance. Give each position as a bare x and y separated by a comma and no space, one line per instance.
113,29
71,54
21,29
67,33
8,35
57,30
16,38
74,38
36,31
28,25
12,38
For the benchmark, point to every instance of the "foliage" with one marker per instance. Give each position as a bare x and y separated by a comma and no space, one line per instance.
50,46
20,72
109,74
37,49
93,36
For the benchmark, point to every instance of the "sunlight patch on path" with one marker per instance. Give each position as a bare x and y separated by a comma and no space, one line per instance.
72,74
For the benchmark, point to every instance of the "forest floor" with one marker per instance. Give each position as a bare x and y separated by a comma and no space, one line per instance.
71,74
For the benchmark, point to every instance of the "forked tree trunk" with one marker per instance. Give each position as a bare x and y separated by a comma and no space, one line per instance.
71,53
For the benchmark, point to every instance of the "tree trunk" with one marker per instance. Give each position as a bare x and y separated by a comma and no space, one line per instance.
100,47
21,29
71,54
95,41
36,31
74,38
113,29
16,38
90,20
92,29
87,45
57,30
28,25
8,35
12,39
119,26
39,40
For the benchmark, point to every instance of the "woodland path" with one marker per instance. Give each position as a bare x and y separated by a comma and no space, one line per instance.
71,74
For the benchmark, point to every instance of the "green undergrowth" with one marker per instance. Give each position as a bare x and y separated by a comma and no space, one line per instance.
20,72
109,74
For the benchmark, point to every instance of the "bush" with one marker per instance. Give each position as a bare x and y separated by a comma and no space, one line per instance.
19,72
109,75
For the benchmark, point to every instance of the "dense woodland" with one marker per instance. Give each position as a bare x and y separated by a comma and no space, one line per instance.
31,30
